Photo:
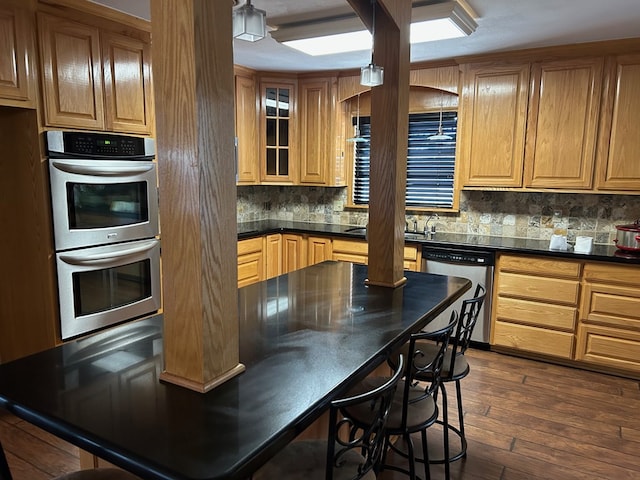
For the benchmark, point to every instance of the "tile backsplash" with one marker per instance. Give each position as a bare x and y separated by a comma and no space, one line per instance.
509,214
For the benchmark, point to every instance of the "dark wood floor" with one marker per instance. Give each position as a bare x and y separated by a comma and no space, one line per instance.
524,420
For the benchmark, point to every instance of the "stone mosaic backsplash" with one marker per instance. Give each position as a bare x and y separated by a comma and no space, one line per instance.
508,214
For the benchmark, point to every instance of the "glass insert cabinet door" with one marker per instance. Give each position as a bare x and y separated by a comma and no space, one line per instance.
277,132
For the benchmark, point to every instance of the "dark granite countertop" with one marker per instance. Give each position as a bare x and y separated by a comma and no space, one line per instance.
607,253
305,337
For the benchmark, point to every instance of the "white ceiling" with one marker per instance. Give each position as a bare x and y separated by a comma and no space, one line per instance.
502,25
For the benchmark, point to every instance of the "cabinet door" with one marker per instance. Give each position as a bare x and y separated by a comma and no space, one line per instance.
15,42
315,131
293,253
247,130
562,123
72,70
319,249
127,84
278,154
273,255
619,141
493,120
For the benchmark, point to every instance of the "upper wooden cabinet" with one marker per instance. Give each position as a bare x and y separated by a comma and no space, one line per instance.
562,123
618,167
316,133
94,79
16,55
278,148
492,124
247,129
127,84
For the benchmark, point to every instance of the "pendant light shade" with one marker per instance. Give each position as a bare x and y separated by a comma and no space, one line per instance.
249,23
372,75
440,136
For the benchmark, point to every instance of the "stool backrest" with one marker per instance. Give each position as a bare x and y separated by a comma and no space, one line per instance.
417,367
347,437
467,319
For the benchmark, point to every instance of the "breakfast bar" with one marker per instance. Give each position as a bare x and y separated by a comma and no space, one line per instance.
305,338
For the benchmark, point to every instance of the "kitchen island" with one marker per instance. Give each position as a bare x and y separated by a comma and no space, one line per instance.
305,338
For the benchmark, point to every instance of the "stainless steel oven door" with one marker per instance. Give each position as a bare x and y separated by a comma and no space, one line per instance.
102,286
97,202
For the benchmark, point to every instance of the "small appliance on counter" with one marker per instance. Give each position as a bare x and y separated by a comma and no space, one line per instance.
628,237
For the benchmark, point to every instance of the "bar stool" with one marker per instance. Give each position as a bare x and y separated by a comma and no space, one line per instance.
351,452
455,368
414,407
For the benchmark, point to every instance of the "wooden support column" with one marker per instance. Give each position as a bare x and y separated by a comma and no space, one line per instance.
194,98
389,124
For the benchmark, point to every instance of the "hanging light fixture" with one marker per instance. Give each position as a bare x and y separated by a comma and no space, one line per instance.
372,75
249,23
440,135
357,138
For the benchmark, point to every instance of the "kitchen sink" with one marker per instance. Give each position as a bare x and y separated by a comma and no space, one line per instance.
355,230
413,236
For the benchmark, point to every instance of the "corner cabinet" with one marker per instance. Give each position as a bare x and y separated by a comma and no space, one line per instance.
316,104
16,55
493,124
94,79
278,131
618,167
562,124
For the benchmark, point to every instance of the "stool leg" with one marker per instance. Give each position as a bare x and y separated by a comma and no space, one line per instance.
5,474
445,430
461,419
425,455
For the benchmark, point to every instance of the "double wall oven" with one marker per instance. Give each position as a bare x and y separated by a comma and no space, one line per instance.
106,230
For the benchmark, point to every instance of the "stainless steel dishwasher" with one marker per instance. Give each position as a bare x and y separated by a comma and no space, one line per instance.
477,266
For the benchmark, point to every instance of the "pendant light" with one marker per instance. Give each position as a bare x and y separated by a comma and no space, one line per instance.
357,138
440,135
372,75
249,23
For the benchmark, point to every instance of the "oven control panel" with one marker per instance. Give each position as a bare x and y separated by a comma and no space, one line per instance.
97,145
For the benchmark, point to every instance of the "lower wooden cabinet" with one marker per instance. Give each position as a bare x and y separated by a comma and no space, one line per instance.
294,252
536,305
273,255
319,249
251,261
609,328
357,251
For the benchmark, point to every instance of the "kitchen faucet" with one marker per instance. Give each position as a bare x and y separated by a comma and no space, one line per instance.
433,227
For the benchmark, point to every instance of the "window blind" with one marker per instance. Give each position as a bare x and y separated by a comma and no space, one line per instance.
430,163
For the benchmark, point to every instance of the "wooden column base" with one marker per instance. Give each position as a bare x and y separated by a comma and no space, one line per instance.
397,284
201,387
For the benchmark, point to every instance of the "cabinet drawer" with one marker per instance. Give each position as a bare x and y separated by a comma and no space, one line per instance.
350,246
250,245
538,288
533,339
558,317
411,253
250,268
610,347
540,266
612,305
605,273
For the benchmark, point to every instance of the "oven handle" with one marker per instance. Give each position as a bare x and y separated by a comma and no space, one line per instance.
103,171
114,257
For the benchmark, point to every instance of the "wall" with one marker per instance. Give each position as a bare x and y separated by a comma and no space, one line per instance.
510,214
